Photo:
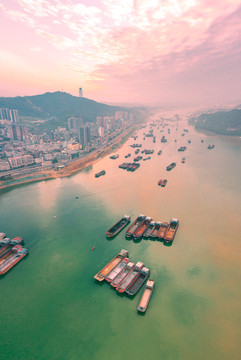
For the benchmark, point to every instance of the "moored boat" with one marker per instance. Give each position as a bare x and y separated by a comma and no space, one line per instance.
135,286
122,275
142,228
142,306
171,166
100,276
113,157
115,229
162,231
134,226
17,253
155,229
171,231
100,173
148,231
117,270
162,182
130,277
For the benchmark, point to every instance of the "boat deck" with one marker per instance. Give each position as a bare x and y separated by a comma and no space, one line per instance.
145,298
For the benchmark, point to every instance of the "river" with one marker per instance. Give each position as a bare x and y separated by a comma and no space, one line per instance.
52,308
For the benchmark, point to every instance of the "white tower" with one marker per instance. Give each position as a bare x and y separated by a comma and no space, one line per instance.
80,92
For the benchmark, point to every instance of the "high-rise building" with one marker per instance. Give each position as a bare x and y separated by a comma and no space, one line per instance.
75,123
10,115
80,92
16,132
84,135
101,131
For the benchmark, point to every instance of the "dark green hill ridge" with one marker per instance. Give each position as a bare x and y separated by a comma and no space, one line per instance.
221,122
59,105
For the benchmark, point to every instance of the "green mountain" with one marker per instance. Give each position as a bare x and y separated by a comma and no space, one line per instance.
221,122
57,107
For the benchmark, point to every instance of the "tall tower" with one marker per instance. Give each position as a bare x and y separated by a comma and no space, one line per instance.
80,92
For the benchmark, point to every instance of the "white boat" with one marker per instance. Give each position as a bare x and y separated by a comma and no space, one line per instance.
146,296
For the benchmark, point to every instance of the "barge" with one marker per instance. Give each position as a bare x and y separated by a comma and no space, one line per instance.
171,166
100,173
171,231
117,270
162,182
130,277
115,229
123,274
138,282
101,275
162,231
148,231
155,230
134,226
17,254
146,296
142,228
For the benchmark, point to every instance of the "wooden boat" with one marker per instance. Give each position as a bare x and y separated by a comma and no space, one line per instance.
142,228
117,270
135,286
122,275
162,231
130,277
155,230
171,231
146,296
162,182
115,229
100,276
134,226
148,231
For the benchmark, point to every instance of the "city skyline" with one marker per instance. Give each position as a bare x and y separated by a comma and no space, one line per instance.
144,52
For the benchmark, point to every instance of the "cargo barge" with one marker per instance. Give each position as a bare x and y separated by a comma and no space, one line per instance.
135,286
100,276
155,230
123,274
142,228
130,277
115,229
162,231
162,182
171,166
146,296
117,270
171,231
17,254
100,173
148,231
134,226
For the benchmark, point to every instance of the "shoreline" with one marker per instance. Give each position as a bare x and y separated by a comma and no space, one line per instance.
74,167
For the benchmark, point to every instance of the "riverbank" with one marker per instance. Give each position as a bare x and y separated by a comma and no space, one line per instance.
75,166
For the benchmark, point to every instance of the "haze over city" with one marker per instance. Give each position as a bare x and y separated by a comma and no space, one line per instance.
139,51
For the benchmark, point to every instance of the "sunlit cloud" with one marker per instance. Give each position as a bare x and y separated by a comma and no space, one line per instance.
134,41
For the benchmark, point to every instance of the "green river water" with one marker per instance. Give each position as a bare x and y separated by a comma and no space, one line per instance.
51,307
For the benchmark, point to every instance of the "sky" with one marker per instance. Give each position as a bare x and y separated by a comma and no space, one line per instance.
123,51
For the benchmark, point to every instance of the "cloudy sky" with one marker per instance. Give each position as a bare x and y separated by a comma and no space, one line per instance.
132,51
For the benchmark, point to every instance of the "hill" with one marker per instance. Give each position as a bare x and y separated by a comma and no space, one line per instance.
221,122
57,107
